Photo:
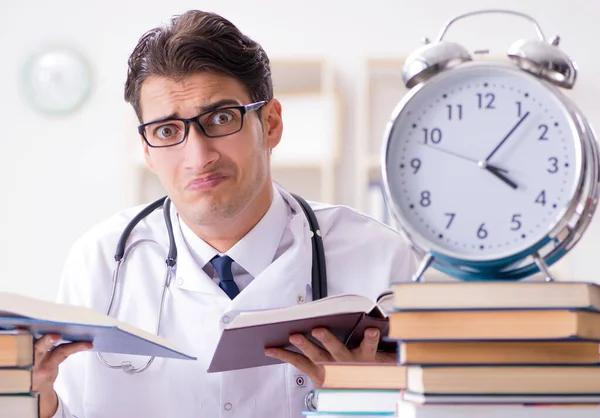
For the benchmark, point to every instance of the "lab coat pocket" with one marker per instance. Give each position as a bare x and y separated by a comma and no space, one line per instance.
114,393
298,388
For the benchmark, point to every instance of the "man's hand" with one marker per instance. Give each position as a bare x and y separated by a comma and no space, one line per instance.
335,351
45,369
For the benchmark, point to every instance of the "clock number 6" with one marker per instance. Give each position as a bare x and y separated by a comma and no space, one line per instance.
482,233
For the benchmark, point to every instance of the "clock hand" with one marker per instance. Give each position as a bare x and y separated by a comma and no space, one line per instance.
496,171
514,128
481,164
445,151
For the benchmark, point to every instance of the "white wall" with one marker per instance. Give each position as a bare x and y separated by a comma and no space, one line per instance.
61,175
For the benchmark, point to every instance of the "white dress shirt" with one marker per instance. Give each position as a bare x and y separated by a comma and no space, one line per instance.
254,252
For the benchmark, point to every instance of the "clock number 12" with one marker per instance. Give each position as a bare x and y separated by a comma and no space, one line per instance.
488,103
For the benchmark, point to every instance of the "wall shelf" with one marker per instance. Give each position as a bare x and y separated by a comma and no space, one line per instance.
380,89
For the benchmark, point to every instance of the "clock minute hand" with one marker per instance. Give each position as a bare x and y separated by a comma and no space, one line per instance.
514,128
461,156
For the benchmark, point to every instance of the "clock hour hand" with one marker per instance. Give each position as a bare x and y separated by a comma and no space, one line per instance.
498,172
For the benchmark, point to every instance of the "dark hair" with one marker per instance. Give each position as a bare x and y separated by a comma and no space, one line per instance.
194,42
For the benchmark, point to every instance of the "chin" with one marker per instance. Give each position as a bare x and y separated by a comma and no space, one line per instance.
208,209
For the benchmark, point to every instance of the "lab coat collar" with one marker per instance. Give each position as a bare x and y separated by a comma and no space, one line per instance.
287,280
200,250
290,273
256,250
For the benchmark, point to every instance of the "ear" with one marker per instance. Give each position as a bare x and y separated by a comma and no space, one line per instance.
147,156
272,123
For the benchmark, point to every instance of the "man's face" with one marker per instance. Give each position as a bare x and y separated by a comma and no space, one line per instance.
211,180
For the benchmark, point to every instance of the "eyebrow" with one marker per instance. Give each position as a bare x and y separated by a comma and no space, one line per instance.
202,109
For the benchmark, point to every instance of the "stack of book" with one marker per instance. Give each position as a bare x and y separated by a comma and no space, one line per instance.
16,363
497,349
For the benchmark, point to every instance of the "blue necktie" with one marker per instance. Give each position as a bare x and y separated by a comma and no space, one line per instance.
223,266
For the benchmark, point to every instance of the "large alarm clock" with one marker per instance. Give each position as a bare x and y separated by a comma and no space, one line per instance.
488,168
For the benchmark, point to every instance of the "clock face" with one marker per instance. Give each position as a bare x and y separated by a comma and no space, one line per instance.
481,162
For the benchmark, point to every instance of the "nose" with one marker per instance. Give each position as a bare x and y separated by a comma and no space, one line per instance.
199,149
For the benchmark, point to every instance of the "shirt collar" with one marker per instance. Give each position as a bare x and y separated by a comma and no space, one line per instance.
256,250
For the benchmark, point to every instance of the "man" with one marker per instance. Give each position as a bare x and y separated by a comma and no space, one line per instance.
208,122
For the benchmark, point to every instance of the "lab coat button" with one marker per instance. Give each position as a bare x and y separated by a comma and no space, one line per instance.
228,406
300,299
225,319
180,281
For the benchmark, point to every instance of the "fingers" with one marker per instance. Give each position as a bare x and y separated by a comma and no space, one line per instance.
332,344
63,351
315,373
305,362
46,360
295,359
367,351
335,350
310,349
43,346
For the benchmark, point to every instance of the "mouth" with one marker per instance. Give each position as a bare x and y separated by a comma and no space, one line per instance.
207,182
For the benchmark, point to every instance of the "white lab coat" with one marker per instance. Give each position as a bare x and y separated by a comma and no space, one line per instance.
362,255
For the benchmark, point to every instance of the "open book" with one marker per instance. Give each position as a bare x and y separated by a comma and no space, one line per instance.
77,323
243,342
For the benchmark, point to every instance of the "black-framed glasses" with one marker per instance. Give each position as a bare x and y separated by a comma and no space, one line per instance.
213,124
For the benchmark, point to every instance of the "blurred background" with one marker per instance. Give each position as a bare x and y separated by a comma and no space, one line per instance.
70,161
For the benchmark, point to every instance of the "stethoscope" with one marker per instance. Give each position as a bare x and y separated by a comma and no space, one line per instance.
318,280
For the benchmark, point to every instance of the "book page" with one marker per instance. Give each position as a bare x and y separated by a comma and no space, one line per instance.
16,305
12,304
331,305
385,303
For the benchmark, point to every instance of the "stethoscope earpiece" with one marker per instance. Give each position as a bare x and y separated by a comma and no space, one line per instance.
431,59
544,60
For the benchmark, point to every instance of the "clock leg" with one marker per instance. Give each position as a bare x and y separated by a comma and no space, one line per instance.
539,261
425,263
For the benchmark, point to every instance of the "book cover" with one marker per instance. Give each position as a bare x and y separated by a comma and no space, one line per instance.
408,410
78,323
243,342
16,348
344,375
498,352
357,401
503,380
23,405
477,295
495,325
